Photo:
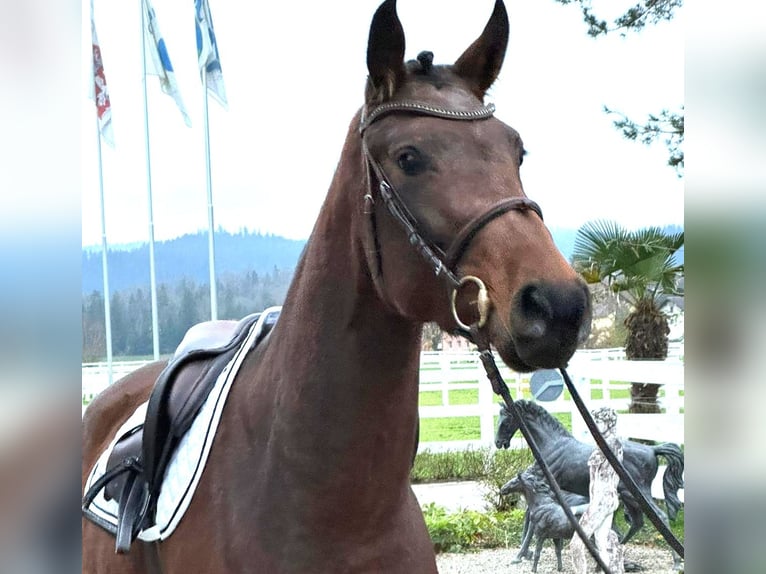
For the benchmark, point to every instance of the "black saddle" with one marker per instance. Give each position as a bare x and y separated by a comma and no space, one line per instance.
137,464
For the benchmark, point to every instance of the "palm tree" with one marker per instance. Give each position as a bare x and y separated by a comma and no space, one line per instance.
641,266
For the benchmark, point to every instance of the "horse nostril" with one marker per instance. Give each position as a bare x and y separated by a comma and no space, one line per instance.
533,329
548,321
536,312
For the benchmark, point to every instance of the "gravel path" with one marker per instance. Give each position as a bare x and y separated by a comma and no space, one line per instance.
652,561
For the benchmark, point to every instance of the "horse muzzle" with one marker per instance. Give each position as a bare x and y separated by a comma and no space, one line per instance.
548,321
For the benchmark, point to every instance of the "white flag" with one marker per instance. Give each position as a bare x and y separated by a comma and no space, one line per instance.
101,93
207,52
158,59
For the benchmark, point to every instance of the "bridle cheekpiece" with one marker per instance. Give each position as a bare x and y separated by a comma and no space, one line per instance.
443,263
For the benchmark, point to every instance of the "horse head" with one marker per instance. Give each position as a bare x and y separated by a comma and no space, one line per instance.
458,199
513,485
507,425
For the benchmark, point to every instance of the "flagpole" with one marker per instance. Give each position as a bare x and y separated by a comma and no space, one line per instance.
152,276
105,270
211,228
104,266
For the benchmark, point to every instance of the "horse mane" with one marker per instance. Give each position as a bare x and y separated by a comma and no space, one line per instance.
534,411
536,480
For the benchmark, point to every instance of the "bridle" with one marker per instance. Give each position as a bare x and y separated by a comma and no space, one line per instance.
444,264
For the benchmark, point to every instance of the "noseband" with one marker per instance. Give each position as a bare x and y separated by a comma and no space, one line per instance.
444,263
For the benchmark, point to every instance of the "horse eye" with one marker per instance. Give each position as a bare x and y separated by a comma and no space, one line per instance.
521,156
410,161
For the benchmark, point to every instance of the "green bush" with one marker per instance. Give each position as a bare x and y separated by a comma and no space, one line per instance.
455,465
468,529
499,468
493,468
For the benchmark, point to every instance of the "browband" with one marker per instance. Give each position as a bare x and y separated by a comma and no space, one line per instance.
422,109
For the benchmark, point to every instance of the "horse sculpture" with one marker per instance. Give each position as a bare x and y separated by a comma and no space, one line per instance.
568,461
309,470
533,478
547,519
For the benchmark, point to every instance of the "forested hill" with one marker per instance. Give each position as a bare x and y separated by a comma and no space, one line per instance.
253,272
187,257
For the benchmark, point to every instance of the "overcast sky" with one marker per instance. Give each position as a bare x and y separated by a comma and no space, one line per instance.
295,74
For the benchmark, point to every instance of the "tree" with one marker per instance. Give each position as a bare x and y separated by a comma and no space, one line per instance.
633,19
642,266
668,125
93,327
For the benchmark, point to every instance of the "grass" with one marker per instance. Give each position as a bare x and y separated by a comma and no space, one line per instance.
455,397
465,428
449,428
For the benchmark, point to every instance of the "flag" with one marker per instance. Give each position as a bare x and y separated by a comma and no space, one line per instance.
207,52
158,60
101,93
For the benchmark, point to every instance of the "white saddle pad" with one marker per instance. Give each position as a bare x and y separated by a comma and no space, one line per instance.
187,462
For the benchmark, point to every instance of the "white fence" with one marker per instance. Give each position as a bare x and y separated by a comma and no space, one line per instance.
599,376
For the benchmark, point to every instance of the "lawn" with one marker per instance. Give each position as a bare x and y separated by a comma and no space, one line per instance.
456,397
449,428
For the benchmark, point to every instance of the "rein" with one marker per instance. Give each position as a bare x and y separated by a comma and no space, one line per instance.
444,265
501,388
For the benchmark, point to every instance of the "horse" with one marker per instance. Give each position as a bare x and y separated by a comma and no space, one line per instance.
547,520
425,220
568,461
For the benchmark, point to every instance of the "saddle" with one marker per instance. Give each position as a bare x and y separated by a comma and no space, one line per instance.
137,463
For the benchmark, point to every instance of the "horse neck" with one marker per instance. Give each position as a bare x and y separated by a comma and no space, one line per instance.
347,367
531,495
544,432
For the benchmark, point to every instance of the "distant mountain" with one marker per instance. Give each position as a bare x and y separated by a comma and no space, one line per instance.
187,257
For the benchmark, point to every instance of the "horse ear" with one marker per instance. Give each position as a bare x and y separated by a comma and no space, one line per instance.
481,62
385,53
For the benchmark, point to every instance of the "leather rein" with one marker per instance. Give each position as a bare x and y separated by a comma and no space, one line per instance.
444,264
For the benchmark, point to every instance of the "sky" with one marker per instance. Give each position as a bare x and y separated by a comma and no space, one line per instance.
295,74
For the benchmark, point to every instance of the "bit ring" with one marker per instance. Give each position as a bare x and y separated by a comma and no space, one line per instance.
482,302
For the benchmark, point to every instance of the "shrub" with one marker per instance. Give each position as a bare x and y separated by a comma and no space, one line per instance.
468,529
493,468
454,465
499,469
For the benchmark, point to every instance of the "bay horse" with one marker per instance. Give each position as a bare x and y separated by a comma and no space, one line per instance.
309,471
568,461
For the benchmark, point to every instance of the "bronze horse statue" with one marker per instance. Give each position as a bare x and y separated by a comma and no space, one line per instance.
309,471
567,458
